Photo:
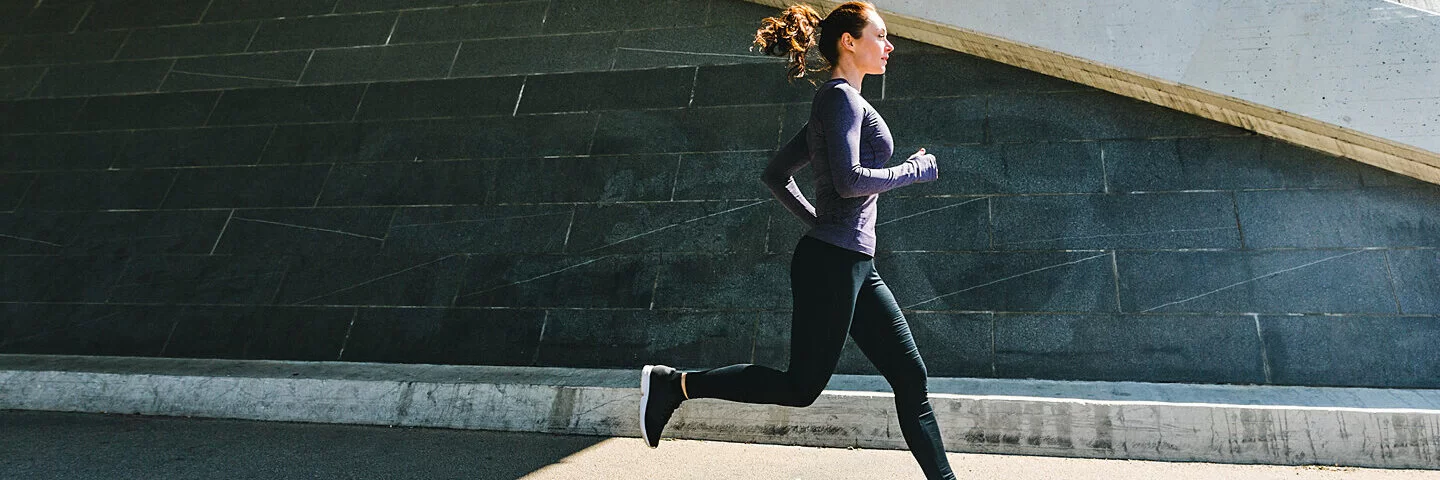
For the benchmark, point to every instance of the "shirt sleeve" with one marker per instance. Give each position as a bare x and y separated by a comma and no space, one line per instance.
779,176
842,115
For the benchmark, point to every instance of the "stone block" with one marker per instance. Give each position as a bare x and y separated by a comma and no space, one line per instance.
191,279
99,190
236,71
532,55
494,229
187,40
287,105
629,89
470,22
242,187
162,110
710,129
445,336
1352,350
323,32
1126,221
62,48
373,280
634,338
932,223
1286,281
592,281
1091,116
1222,163
1143,348
260,333
1076,281
367,64
1368,217
467,97
194,147
306,231
712,227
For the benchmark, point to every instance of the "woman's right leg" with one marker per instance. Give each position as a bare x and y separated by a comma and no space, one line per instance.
824,280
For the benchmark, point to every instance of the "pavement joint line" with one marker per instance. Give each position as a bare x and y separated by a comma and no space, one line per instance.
1362,427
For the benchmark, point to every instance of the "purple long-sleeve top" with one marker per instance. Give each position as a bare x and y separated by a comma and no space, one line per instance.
846,144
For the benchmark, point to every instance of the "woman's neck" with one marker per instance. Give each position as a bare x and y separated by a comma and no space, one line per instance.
850,74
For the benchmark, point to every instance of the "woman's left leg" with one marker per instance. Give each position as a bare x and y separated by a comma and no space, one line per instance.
881,332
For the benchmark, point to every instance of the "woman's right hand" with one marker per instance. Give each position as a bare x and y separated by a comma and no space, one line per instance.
926,165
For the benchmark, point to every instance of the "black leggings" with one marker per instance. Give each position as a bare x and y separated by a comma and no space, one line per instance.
838,291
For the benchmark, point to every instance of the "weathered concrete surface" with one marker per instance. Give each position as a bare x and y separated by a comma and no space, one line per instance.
76,446
1274,425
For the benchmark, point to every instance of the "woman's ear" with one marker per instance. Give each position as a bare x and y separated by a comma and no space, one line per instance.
847,41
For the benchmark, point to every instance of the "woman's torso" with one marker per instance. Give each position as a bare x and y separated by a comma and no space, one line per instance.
846,222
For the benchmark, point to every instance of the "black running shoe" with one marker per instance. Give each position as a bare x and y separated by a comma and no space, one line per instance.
659,397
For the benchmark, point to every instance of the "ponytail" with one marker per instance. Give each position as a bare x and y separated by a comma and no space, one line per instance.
791,34
799,29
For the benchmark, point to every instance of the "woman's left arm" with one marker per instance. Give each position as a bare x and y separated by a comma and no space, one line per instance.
779,177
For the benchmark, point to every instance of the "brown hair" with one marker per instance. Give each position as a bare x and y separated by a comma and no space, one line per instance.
793,33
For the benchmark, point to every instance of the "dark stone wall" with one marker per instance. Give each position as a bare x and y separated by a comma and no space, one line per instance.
575,183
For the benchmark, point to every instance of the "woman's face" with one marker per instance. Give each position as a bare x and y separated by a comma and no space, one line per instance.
872,50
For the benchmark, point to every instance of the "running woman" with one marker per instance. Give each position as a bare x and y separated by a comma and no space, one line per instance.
832,272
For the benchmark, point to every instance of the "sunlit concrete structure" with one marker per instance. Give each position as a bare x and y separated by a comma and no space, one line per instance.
1355,78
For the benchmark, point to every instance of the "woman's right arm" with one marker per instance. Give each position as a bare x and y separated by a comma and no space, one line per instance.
841,112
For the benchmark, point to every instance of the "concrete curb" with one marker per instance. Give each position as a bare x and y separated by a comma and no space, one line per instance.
1213,423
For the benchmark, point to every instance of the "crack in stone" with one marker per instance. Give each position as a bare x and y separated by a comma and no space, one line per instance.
1233,285
913,305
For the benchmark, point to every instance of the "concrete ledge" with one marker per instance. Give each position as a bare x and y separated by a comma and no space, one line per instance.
1213,423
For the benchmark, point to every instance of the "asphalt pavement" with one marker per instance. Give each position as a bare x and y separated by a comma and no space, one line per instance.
47,445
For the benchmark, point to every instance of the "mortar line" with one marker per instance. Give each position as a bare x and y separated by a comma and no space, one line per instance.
167,75
1104,170
222,231
654,288
450,73
122,43
166,346
253,34
280,284
389,226
994,369
268,140
1239,228
306,68
203,13
79,22
213,108
171,188
694,81
540,342
1115,272
1390,272
26,194
518,97
31,93
392,28
363,92
323,183
566,244
348,331
990,223
675,178
1264,354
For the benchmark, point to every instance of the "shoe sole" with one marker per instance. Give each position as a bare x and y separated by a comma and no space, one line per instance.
644,400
